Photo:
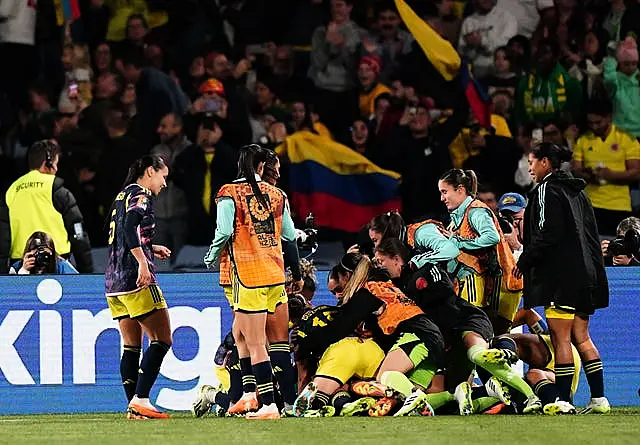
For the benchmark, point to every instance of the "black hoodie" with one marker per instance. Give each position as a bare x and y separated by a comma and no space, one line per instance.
562,261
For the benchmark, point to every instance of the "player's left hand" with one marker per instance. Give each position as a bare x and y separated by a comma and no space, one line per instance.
161,252
517,273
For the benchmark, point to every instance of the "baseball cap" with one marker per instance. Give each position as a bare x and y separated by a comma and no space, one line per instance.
211,85
513,202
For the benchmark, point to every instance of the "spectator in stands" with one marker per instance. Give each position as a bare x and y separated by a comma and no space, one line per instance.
234,118
388,40
608,158
302,119
360,140
488,196
36,202
493,154
108,86
200,170
171,206
631,223
102,59
548,91
18,36
156,95
621,81
588,68
418,149
40,258
527,13
334,55
121,150
484,31
370,87
446,21
503,79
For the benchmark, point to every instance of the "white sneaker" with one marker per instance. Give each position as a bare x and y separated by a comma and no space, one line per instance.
498,390
462,395
532,406
415,403
559,407
599,405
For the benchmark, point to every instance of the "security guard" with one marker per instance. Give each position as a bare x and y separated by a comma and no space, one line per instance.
37,202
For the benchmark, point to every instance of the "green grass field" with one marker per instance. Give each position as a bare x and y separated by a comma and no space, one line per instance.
621,427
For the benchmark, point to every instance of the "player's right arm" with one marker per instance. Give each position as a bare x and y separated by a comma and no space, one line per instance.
226,212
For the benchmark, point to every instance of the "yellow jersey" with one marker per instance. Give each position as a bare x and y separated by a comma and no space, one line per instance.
612,153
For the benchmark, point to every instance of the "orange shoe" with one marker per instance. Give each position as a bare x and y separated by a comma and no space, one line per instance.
382,407
264,413
132,415
138,411
368,389
496,409
244,406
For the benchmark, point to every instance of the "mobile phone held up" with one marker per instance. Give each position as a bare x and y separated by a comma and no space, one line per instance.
212,105
73,90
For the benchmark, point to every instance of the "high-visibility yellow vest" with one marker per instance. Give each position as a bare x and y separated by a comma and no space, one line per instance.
30,203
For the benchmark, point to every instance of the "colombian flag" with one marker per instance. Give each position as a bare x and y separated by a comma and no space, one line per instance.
342,188
66,10
444,58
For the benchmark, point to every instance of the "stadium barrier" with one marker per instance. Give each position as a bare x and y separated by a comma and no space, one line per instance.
59,347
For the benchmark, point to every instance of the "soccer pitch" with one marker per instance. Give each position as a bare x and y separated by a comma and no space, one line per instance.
620,427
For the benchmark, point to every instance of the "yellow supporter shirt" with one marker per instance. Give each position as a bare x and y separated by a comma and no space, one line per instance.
121,10
368,100
460,148
618,147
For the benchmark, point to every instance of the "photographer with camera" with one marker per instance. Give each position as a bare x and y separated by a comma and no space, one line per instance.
621,250
40,258
511,216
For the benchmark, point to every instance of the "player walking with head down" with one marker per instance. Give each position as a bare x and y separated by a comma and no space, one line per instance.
133,295
252,218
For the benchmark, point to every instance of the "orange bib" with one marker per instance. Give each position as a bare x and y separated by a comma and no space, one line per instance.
480,260
255,248
397,306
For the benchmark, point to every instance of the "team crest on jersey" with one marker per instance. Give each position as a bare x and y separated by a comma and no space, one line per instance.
142,202
263,221
615,147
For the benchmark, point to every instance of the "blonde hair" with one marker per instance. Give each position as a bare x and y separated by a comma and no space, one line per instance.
357,280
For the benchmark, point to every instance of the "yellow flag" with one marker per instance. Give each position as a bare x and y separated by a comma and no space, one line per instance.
439,51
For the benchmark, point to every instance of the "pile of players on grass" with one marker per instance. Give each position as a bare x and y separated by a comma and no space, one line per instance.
399,341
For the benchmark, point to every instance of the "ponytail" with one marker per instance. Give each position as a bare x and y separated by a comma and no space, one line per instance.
250,158
556,154
137,169
359,277
465,178
389,225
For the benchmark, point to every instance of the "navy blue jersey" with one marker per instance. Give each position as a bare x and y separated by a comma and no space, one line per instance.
122,267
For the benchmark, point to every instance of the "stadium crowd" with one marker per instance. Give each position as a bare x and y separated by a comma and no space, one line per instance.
538,89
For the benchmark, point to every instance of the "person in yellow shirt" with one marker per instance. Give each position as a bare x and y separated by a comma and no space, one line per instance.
368,72
38,202
119,12
462,148
608,158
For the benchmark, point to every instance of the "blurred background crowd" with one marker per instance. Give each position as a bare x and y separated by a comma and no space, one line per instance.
194,80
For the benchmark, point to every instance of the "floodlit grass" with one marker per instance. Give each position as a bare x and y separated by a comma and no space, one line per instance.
621,427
